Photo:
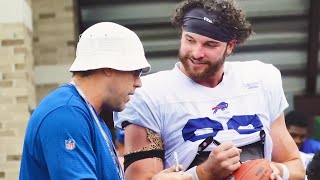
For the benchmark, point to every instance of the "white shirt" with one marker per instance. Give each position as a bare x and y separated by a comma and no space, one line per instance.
248,99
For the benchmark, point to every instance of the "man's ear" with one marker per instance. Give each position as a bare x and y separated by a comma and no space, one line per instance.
230,46
108,72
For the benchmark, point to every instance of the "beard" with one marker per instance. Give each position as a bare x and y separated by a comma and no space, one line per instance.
113,105
201,74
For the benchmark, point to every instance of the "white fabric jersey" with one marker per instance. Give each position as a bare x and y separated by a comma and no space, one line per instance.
306,158
247,100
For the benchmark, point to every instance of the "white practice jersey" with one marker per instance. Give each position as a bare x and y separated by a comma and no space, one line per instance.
306,158
247,100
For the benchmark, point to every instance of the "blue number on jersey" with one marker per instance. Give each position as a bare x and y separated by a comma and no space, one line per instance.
245,124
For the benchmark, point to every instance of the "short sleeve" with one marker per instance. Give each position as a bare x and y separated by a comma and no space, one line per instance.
277,101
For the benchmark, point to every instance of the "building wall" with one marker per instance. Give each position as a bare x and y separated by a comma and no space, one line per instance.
54,41
17,94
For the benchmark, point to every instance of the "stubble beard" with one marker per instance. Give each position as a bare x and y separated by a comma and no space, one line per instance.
115,106
201,74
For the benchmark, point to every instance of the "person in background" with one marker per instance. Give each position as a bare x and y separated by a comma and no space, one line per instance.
297,124
209,112
66,138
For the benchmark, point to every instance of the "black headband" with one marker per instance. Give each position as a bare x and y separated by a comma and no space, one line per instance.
201,22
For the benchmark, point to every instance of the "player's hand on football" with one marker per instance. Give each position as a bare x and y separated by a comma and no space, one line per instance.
171,174
222,161
275,175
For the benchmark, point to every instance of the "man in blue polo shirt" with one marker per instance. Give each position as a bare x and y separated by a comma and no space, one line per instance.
65,137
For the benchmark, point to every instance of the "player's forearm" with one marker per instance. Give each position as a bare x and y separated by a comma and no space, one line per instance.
295,168
204,174
201,173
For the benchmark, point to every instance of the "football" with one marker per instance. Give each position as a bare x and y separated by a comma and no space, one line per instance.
251,170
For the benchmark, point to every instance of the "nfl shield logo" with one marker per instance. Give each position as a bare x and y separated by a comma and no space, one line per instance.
70,144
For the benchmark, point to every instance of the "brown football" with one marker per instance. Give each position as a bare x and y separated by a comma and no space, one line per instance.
251,170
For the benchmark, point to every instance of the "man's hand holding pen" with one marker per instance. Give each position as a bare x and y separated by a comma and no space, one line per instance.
222,161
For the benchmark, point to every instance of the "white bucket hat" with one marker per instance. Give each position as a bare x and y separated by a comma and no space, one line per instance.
109,45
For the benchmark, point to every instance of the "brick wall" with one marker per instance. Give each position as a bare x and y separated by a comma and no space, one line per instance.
54,38
17,94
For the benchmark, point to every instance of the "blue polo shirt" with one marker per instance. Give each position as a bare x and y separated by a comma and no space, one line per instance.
62,141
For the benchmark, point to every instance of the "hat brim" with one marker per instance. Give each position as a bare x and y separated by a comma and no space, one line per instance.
116,61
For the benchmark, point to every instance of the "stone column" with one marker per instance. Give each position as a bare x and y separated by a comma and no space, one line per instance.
17,92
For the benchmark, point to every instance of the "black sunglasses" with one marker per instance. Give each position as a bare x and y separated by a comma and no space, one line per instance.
137,73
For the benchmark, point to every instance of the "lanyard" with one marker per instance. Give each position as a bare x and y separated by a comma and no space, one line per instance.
106,138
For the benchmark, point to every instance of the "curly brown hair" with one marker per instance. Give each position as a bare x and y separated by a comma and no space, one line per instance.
231,17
